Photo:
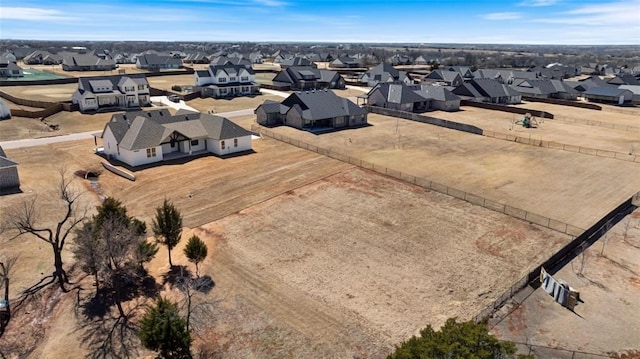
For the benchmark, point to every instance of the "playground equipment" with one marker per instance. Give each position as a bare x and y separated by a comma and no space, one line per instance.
528,121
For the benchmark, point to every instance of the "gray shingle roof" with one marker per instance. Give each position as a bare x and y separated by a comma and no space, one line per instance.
145,129
4,161
605,91
318,105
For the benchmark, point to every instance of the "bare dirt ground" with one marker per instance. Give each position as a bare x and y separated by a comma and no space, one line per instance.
17,128
49,93
357,262
57,69
569,187
548,130
165,82
224,105
607,276
562,112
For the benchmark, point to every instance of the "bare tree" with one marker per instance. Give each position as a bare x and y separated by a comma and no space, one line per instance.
25,218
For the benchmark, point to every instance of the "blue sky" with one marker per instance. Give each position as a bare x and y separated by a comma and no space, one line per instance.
473,21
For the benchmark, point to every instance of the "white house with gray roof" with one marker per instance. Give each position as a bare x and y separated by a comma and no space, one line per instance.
226,81
144,137
110,93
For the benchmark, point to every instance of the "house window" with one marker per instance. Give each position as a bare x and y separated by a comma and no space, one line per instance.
232,79
194,142
222,144
235,142
173,144
244,78
151,152
141,87
222,79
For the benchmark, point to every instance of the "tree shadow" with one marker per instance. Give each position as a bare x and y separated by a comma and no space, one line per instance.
101,303
112,336
204,284
175,274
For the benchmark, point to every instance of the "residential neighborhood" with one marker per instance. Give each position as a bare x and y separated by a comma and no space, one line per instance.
325,198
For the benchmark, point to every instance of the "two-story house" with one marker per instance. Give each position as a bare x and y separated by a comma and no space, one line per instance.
307,78
119,92
226,81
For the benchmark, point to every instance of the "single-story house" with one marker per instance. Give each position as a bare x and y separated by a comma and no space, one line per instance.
384,72
226,81
545,88
399,59
155,62
413,98
86,62
345,63
138,138
9,69
312,110
296,61
118,92
9,178
446,77
307,78
608,94
5,111
488,90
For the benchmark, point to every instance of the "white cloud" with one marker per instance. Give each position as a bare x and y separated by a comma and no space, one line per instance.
32,14
272,3
538,2
618,14
502,16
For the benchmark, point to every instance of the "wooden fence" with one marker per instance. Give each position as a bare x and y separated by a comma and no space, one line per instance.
505,108
425,119
556,101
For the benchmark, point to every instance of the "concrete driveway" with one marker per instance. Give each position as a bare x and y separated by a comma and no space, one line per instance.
175,105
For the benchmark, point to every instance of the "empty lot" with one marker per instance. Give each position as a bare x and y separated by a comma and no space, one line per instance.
569,187
48,93
608,279
357,262
607,115
548,130
231,104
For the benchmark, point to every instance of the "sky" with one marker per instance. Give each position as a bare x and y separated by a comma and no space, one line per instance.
583,22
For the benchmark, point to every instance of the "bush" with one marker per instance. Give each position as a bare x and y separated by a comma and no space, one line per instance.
177,88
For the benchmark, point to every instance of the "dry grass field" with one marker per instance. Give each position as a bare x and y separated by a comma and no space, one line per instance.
311,257
226,105
548,130
607,115
48,93
568,187
607,276
165,82
18,128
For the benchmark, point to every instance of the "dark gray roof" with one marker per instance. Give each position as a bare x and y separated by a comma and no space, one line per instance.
398,93
157,60
492,88
296,61
270,106
323,104
86,60
145,129
4,161
437,93
605,91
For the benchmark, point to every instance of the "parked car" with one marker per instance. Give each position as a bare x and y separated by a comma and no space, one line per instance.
174,98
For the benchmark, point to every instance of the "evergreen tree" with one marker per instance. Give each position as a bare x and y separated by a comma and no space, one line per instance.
167,226
196,251
162,329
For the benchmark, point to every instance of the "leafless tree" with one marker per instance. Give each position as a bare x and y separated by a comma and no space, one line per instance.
26,219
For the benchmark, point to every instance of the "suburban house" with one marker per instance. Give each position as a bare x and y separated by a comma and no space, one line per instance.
545,88
307,78
118,92
488,90
345,63
608,94
256,57
384,72
226,81
86,62
623,79
320,109
196,58
464,71
9,69
9,179
504,76
445,77
413,98
230,60
155,62
139,138
420,60
399,59
5,111
40,57
296,61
